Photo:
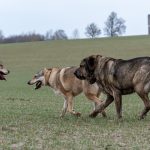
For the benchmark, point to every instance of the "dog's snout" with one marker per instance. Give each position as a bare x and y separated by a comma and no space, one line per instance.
79,74
75,73
28,82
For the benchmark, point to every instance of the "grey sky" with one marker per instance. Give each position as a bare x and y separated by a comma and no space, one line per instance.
21,16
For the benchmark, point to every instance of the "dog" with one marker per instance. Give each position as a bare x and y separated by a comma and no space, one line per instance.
64,82
3,72
117,77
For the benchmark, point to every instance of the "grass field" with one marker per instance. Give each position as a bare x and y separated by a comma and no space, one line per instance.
30,120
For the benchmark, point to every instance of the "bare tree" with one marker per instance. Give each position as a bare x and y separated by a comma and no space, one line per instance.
49,35
75,34
114,26
1,36
92,30
59,35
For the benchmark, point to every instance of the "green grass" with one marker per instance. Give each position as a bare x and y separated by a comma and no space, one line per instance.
29,119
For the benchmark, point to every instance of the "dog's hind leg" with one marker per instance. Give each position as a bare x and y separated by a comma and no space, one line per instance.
70,106
146,101
118,104
65,106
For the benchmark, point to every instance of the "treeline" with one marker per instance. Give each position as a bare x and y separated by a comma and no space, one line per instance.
22,38
114,26
30,37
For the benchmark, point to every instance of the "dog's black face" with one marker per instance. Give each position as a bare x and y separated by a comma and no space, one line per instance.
86,69
3,72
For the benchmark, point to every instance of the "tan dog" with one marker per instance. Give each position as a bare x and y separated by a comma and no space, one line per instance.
64,82
3,72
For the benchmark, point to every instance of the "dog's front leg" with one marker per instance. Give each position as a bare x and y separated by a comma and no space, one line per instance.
102,106
118,103
96,101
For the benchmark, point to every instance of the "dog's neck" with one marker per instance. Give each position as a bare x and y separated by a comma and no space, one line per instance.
51,76
47,76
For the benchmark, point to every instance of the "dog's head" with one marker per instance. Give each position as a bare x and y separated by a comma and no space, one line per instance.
3,72
40,78
87,68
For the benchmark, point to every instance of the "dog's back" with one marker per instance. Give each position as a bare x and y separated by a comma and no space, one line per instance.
74,85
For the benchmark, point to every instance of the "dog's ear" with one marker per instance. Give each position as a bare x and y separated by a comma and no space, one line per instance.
91,63
45,69
49,70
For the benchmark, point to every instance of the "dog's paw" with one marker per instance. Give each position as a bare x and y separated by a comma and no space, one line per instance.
61,116
104,114
93,114
78,114
140,117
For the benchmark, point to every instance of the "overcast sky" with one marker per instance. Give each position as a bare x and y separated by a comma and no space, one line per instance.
21,16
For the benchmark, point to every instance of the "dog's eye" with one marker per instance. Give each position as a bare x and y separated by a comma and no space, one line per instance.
35,76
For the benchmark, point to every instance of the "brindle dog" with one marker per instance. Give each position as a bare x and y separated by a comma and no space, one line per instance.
117,77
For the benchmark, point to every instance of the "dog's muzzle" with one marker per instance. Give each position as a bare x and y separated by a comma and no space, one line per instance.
78,74
38,84
2,75
29,82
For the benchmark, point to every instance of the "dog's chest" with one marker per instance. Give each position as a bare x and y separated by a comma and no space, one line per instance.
58,92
